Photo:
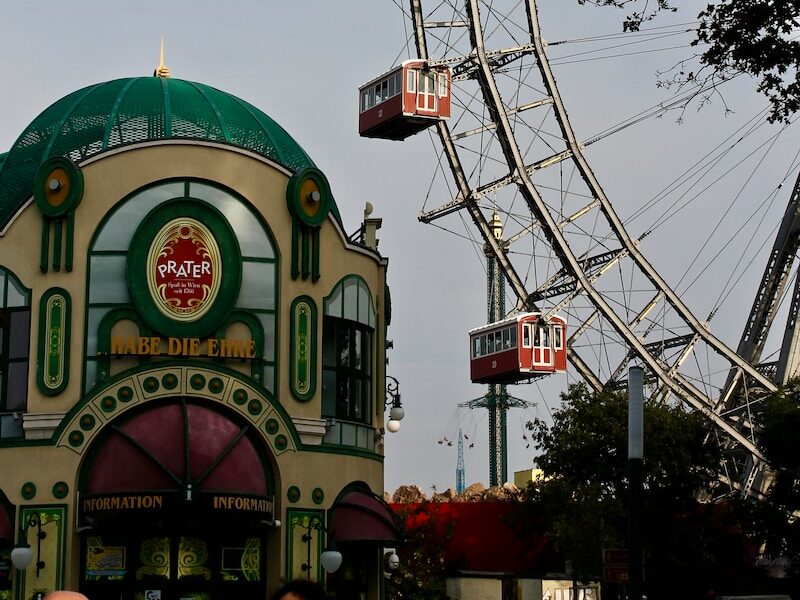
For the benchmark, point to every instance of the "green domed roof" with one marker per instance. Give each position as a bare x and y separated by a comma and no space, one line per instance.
139,109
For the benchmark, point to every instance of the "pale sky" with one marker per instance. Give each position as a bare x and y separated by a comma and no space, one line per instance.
301,62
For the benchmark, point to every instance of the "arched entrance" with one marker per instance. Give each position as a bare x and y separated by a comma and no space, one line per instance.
174,502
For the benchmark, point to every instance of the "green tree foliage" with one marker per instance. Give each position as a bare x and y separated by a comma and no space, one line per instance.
583,497
421,574
771,520
735,37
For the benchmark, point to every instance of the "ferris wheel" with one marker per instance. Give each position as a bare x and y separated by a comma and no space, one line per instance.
509,151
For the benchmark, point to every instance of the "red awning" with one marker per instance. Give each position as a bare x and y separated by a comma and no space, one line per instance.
361,516
170,446
6,524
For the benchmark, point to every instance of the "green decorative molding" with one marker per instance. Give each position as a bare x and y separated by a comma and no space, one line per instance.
293,493
57,190
55,310
308,197
60,490
305,540
303,348
28,490
52,552
219,384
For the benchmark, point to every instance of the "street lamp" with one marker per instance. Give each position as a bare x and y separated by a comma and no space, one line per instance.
22,555
396,410
330,558
635,477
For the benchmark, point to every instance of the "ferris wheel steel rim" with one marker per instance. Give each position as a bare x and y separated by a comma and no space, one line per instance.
718,410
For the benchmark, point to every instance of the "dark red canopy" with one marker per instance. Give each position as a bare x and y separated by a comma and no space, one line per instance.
6,525
361,516
172,445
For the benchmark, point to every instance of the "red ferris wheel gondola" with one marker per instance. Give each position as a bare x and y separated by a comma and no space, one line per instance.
518,348
404,100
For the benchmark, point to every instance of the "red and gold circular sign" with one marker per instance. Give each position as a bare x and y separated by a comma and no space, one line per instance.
184,269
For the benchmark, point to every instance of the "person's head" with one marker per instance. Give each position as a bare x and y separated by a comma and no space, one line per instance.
300,589
65,595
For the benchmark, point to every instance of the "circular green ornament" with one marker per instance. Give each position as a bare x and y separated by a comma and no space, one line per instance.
28,490
317,495
60,490
57,187
75,438
271,426
215,385
169,381
197,381
150,385
293,493
281,442
108,403
87,422
308,196
254,407
125,394
240,396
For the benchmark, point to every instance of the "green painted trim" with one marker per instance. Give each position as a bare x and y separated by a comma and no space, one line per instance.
256,333
295,248
55,325
69,249
48,513
345,450
40,187
315,274
306,266
96,393
111,318
298,205
230,259
303,337
60,490
57,243
341,283
28,490
186,182
44,249
293,493
300,522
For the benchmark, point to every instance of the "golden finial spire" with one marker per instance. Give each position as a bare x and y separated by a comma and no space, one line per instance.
162,70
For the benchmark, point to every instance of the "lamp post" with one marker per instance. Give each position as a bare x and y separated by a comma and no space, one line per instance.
330,558
22,555
396,410
635,475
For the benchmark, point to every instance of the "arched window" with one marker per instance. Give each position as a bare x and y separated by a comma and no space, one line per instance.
347,352
108,255
15,335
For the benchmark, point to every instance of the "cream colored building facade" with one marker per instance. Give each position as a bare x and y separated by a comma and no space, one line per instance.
192,358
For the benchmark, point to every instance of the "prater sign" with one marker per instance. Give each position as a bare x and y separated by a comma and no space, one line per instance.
184,269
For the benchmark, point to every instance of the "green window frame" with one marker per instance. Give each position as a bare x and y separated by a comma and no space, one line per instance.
107,289
15,340
348,352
